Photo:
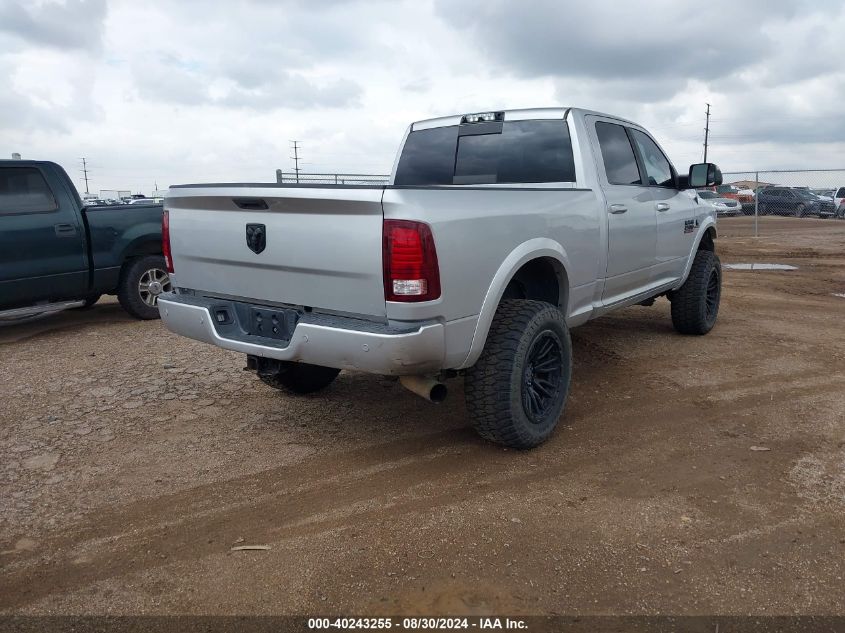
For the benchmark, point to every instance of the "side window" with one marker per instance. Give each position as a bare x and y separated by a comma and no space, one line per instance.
657,166
24,190
617,154
841,192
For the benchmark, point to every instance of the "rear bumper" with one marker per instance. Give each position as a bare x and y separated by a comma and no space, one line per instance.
418,351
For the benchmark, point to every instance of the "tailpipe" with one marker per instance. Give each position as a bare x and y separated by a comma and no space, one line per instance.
425,387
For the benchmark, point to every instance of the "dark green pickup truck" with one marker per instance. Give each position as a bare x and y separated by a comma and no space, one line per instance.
56,253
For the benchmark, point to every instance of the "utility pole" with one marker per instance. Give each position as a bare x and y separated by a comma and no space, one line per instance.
84,171
295,158
706,132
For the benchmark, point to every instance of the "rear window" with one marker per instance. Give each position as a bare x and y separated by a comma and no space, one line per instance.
522,152
24,190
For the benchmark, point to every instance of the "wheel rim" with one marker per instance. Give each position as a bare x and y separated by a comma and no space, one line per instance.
712,303
152,283
542,376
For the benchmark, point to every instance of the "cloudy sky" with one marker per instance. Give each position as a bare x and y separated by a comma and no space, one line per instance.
196,90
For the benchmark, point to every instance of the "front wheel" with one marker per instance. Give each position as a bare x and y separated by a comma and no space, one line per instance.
141,282
299,378
695,305
799,211
517,390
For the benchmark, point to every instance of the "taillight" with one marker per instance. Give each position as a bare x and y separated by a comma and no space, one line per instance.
410,265
165,240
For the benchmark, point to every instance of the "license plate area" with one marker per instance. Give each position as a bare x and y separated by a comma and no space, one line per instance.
275,324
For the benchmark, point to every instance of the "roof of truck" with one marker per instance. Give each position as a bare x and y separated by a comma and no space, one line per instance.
520,114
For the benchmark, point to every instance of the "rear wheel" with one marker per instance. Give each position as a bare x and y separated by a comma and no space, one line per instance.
695,305
141,282
300,378
517,390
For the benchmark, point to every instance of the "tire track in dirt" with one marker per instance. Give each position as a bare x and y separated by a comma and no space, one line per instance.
428,472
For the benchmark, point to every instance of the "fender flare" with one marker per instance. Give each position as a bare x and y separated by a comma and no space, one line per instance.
518,257
706,224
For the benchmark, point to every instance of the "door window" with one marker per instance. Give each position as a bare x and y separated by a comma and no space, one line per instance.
620,165
24,190
657,166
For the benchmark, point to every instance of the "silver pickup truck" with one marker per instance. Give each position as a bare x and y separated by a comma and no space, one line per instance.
498,232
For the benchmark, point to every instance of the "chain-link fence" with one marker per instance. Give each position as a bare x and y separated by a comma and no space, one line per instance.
764,195
284,177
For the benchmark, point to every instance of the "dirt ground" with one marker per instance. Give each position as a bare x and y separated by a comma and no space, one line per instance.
133,460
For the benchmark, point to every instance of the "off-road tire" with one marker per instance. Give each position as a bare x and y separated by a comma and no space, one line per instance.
128,292
695,305
497,386
300,378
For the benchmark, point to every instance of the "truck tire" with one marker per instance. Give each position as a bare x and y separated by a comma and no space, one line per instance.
516,392
695,305
141,281
300,378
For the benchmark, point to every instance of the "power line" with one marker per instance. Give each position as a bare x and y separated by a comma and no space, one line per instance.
706,132
84,171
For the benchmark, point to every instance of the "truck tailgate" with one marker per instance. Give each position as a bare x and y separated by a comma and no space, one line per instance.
322,245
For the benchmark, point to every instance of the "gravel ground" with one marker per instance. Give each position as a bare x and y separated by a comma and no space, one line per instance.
688,476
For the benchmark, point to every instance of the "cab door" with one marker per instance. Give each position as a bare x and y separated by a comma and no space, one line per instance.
676,210
42,247
630,212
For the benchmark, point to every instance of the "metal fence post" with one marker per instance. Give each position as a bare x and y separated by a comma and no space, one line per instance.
756,196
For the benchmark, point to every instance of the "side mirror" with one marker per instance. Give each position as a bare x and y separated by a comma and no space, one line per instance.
704,175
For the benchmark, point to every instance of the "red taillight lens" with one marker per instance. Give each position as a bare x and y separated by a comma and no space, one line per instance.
165,240
409,257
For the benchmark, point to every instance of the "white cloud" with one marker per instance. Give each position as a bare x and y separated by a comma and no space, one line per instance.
165,92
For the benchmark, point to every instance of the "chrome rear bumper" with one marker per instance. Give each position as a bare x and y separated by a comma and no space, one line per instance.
416,352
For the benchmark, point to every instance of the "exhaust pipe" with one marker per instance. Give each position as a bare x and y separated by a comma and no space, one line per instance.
425,387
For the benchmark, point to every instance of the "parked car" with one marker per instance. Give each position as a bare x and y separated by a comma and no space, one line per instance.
498,232
824,193
722,206
745,197
56,253
791,201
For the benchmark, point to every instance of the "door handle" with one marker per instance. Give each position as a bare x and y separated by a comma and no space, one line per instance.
64,230
616,209
662,206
